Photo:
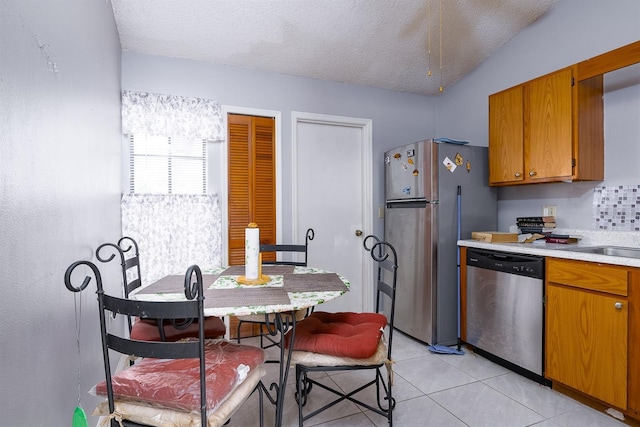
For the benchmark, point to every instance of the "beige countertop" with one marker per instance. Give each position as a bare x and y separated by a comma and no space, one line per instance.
558,250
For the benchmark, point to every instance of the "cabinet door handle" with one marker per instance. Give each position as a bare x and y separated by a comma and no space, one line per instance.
618,305
532,173
517,174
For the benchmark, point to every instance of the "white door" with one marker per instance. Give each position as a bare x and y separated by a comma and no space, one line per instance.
332,164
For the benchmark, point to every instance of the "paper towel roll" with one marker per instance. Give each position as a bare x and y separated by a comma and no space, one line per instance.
252,252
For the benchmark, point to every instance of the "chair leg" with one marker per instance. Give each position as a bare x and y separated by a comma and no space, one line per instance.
383,390
261,401
301,397
303,387
262,336
387,388
268,337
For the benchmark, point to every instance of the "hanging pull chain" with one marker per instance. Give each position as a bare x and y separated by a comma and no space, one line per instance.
78,316
429,38
79,417
440,23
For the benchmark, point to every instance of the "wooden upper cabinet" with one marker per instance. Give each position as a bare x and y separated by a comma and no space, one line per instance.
506,136
549,127
252,189
547,130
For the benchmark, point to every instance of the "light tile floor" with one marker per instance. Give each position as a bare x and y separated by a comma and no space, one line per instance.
437,390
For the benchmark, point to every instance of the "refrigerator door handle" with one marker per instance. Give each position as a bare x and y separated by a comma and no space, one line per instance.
410,203
408,200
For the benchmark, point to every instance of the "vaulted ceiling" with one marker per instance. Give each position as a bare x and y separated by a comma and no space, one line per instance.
389,44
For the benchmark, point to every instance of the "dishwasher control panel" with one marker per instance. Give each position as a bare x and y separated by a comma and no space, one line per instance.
523,265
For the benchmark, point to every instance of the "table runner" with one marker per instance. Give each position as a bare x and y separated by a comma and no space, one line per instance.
322,282
236,297
238,270
169,284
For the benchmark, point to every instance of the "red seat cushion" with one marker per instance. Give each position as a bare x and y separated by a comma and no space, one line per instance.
147,330
354,335
175,383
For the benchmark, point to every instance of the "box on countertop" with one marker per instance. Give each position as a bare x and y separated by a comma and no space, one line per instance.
494,236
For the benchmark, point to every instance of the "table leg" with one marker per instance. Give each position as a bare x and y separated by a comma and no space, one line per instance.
280,326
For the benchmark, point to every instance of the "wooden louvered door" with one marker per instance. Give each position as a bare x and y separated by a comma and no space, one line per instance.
252,185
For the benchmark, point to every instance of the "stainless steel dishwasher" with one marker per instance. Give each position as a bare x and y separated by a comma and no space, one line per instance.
505,309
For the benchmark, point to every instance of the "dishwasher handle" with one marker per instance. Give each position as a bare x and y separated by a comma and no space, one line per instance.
500,256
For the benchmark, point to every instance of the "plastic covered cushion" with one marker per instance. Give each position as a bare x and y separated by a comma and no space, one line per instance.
354,335
175,383
154,416
147,330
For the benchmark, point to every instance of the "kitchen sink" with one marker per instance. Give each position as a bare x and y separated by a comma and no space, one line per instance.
618,251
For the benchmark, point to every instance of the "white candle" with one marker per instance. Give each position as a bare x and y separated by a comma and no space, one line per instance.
252,252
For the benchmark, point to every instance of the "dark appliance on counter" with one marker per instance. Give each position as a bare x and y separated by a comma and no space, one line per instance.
505,310
435,193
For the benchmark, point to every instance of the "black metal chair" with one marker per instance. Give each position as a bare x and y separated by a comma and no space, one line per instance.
272,252
159,389
351,341
149,329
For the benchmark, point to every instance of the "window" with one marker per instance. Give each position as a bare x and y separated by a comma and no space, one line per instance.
167,165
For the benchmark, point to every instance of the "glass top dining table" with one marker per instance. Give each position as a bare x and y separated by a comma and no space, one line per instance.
287,288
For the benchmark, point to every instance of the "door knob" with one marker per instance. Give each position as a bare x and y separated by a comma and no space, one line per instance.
618,305
532,173
358,233
517,174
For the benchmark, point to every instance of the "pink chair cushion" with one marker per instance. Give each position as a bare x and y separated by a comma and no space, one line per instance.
147,330
175,383
354,335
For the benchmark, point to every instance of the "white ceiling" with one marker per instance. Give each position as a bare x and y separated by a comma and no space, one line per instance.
378,43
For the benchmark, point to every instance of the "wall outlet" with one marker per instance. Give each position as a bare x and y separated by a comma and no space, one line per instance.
549,210
381,212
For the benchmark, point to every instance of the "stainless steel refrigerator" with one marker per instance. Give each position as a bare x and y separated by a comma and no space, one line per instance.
435,194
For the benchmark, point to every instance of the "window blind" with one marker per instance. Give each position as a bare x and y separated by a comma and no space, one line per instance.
167,165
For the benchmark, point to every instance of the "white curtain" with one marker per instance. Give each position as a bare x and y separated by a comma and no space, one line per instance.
173,231
169,115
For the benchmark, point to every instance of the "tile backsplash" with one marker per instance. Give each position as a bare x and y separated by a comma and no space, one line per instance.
616,208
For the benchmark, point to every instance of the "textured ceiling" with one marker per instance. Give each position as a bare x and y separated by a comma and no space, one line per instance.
390,44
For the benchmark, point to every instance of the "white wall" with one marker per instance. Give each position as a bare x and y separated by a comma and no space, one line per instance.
60,190
572,31
398,118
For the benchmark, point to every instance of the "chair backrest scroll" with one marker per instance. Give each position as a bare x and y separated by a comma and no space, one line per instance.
130,278
302,249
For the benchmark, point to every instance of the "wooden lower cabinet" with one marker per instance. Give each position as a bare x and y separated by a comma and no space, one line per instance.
591,331
587,343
